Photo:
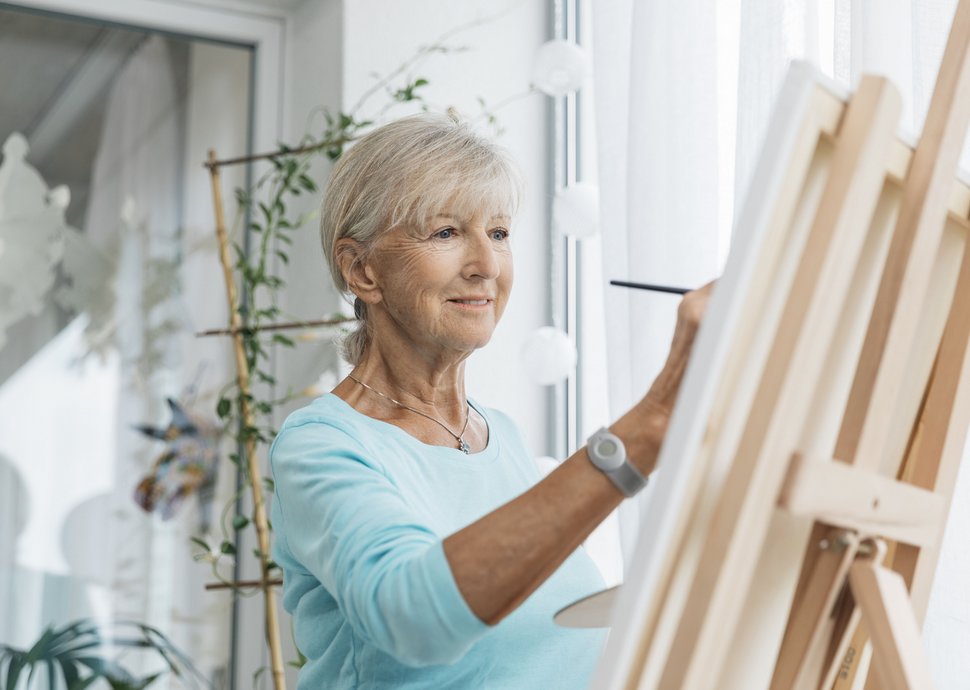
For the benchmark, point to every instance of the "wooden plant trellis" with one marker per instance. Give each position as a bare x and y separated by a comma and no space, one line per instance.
236,331
266,583
809,465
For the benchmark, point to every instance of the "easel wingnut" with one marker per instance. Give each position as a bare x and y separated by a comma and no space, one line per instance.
873,548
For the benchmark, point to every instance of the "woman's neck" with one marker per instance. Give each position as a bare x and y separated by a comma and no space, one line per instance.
392,387
413,379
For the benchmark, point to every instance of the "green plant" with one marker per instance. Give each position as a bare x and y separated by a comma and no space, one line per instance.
75,654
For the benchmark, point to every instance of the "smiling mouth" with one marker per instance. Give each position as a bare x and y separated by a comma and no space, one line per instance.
471,302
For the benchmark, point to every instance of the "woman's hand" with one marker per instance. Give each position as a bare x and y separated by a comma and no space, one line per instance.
690,313
643,428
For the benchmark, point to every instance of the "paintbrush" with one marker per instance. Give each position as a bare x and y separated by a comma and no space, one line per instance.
647,286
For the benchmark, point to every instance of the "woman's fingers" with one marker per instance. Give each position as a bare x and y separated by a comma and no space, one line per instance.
693,306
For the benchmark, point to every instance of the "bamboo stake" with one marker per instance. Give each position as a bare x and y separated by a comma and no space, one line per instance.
276,327
213,164
240,583
242,372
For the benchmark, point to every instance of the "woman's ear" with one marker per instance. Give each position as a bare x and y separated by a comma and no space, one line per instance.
356,270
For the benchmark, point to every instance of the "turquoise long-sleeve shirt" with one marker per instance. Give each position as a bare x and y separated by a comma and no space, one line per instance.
360,511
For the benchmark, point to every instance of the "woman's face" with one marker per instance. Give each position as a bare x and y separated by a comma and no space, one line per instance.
444,285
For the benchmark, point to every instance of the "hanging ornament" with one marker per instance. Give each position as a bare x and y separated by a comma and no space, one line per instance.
560,67
187,465
31,233
549,356
575,210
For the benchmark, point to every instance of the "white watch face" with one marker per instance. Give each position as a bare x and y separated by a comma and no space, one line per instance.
609,453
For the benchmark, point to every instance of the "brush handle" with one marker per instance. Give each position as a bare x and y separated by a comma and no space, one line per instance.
647,286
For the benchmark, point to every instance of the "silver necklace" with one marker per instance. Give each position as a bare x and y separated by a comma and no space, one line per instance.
462,446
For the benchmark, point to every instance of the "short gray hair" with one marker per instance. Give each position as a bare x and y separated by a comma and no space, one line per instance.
401,174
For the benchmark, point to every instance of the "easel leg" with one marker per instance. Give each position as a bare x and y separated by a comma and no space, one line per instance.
849,655
847,645
898,655
809,629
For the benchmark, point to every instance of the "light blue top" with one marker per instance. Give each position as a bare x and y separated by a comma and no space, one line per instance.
360,512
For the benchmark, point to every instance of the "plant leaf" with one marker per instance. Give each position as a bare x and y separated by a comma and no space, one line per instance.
307,183
83,683
52,674
69,671
110,670
199,542
283,340
14,668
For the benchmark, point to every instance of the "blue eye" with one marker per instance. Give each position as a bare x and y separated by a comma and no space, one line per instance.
500,234
445,233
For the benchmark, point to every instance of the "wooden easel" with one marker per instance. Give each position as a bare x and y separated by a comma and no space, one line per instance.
842,399
890,589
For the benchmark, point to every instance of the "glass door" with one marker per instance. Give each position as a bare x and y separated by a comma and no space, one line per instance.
108,436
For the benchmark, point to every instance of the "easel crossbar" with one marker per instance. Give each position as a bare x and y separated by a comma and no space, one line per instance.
859,499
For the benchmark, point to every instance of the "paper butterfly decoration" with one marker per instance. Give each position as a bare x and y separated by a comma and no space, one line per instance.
187,466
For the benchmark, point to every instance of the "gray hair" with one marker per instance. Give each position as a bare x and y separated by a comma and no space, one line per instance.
402,174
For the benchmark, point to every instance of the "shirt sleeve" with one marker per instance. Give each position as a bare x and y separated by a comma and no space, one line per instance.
347,523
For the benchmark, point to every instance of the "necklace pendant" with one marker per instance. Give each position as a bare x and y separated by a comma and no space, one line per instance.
463,447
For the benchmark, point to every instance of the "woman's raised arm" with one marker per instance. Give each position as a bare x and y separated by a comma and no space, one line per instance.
499,560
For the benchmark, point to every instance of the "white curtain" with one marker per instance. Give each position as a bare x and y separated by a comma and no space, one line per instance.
683,95
656,80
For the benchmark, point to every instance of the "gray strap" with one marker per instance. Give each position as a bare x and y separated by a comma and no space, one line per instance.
627,479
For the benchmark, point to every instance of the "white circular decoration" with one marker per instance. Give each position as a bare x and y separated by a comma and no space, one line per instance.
575,210
549,356
59,197
560,67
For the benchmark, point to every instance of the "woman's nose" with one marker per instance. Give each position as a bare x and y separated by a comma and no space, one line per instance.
481,258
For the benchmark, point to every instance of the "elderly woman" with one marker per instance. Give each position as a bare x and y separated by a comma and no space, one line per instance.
419,547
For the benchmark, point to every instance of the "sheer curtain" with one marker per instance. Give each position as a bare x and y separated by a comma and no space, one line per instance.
683,95
658,104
